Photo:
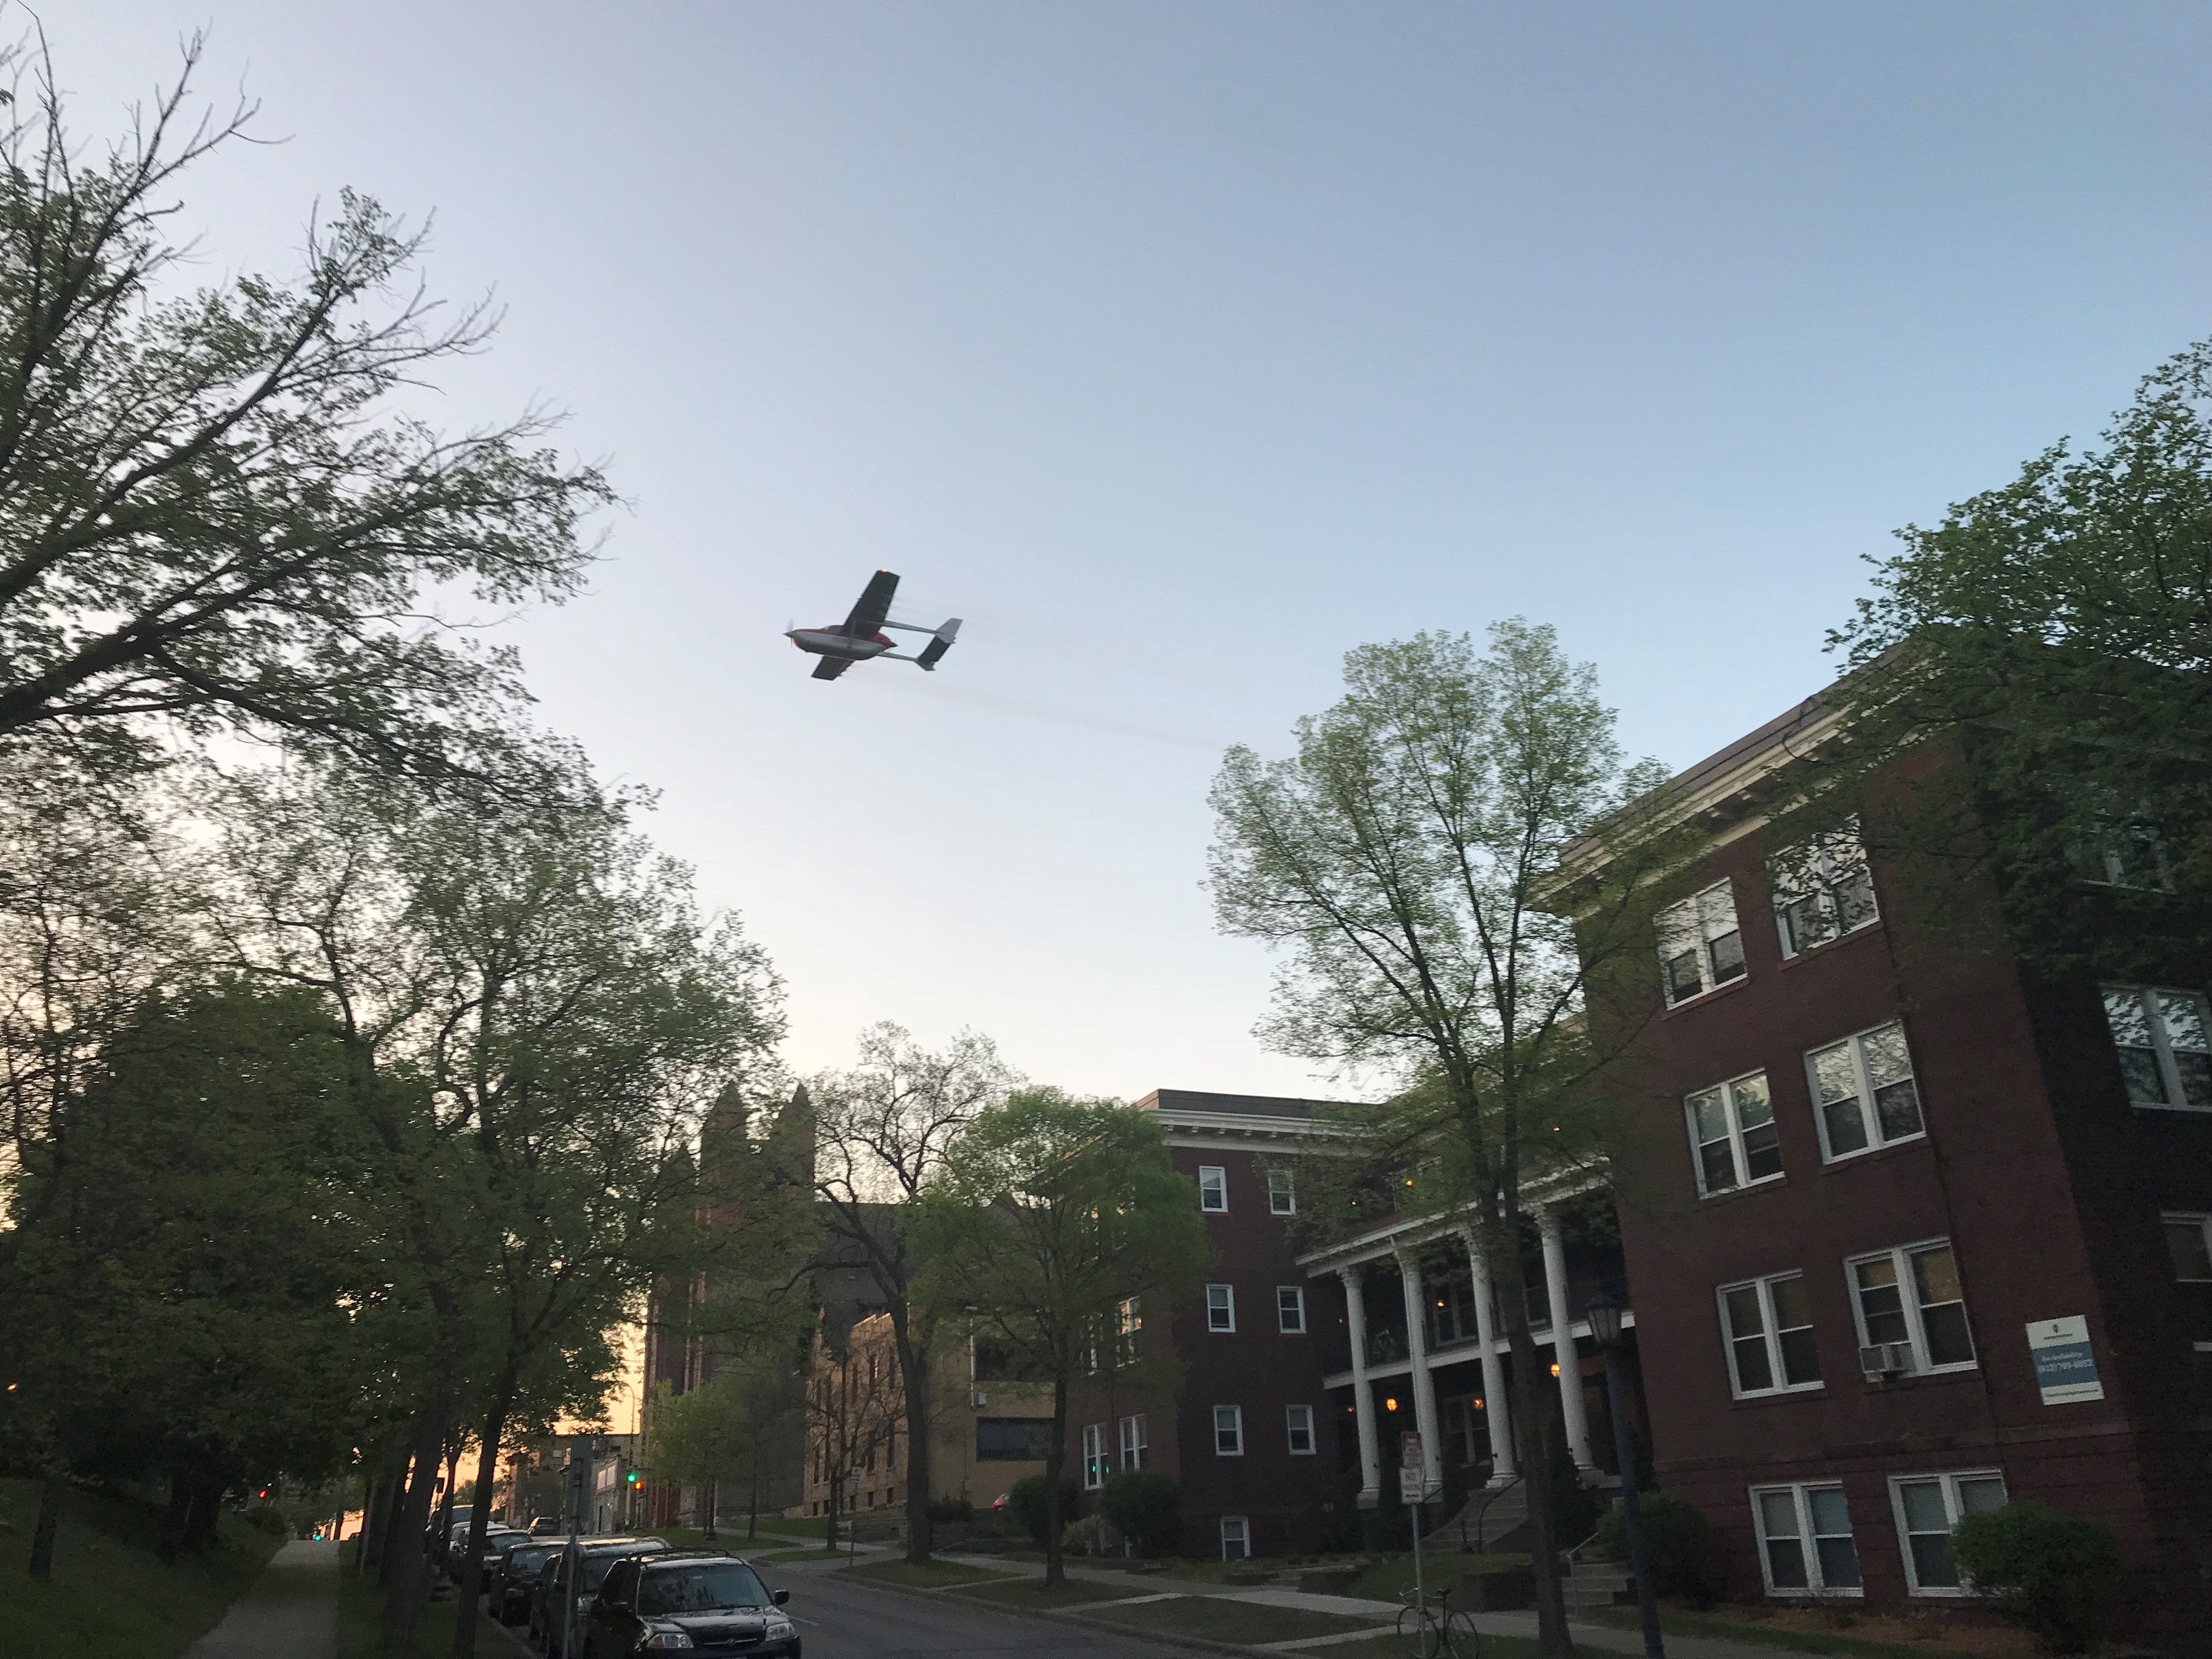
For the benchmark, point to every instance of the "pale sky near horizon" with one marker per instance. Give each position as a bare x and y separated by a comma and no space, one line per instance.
1179,349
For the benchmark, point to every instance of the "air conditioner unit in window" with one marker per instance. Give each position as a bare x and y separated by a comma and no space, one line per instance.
980,1399
1882,1360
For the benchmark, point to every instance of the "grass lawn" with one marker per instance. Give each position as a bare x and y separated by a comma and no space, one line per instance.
1234,1621
817,1553
1769,1634
1390,1647
1393,1576
927,1574
1023,1593
360,1606
110,1594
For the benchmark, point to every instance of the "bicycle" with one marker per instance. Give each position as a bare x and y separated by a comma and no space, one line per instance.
1433,1628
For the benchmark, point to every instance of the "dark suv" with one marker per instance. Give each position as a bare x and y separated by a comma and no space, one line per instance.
697,1601
550,1600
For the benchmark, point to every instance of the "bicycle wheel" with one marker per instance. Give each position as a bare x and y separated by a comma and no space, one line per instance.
1419,1629
1461,1635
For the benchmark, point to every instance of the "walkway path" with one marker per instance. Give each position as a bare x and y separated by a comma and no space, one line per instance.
290,1612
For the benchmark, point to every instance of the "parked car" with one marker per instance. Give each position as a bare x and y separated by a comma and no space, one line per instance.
555,1594
544,1526
513,1574
704,1601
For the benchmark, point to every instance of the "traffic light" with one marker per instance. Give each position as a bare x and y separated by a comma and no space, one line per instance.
262,1493
635,1476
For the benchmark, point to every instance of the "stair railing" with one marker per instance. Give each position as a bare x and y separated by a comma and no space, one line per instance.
1481,1511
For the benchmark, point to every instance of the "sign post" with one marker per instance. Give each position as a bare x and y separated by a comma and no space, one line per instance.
2065,1365
1412,1470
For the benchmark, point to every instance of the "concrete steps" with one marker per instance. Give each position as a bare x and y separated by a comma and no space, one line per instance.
1595,1584
1492,1520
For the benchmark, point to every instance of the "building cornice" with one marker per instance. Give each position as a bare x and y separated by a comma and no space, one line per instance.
1407,1231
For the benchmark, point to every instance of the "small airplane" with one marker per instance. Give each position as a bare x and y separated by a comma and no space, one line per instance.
859,637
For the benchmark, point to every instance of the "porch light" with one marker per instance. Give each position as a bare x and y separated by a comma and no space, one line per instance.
1390,1404
1555,1368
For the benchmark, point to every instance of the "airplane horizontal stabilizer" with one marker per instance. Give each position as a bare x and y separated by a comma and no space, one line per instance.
938,647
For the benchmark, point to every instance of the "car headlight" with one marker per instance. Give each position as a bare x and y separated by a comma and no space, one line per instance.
665,1641
779,1629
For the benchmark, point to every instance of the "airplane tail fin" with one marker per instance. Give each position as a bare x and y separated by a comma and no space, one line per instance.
937,648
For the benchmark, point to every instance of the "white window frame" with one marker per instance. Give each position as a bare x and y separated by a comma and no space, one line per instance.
1908,1298
2203,1222
1739,1160
1217,1189
1094,1456
1282,1193
1770,1333
1235,1425
1243,1537
1694,926
1816,1581
1293,1309
1826,869
2161,1042
1134,1441
1863,1076
1295,1419
1948,1481
1226,1308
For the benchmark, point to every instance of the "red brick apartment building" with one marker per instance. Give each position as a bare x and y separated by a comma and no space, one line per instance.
1877,1174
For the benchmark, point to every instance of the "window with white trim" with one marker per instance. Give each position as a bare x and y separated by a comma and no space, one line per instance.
1732,1134
1298,1421
1221,1307
1769,1323
1804,1540
1927,1507
1236,1538
1094,1456
1135,1445
2159,1034
1229,1432
2129,853
1282,1193
1214,1190
1700,945
1864,1093
1291,1310
1913,1295
1822,890
2189,1243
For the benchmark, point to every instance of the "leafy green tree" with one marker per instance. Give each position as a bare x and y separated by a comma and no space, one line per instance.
2054,633
736,1431
213,514
1407,859
1049,1212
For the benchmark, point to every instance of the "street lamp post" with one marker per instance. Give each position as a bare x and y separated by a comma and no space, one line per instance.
1604,1312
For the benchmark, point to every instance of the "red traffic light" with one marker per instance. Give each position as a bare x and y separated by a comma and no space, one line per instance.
263,1494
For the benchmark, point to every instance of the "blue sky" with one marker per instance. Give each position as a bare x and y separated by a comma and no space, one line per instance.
1180,348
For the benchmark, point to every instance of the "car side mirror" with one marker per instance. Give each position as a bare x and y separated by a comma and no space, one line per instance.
780,1597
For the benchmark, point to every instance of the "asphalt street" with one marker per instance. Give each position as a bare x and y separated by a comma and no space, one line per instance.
840,1619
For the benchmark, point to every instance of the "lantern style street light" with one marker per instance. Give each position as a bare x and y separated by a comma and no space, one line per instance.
1604,1312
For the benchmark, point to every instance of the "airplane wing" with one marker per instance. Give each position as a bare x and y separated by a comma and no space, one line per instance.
875,605
829,667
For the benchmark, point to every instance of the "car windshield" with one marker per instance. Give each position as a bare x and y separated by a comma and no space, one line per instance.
699,1587
597,1567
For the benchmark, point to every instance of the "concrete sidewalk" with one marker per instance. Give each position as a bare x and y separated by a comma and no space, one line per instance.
290,1612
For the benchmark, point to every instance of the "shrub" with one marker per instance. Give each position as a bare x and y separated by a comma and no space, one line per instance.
1093,1535
951,1508
2053,1572
1681,1541
1028,1505
1145,1507
269,1519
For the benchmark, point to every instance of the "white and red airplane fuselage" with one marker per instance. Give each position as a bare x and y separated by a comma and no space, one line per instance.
834,641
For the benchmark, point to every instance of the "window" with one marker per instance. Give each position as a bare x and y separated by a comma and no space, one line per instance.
1221,1307
1012,1439
1805,1539
1769,1323
1291,1310
1229,1430
2189,1242
1732,1130
1301,1431
2131,854
1863,1093
1822,890
1912,1295
1214,1190
2160,1036
1134,1445
1236,1538
1700,946
1282,1193
1129,1330
1094,1456
1927,1509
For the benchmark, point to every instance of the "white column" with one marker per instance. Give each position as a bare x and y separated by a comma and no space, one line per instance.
1563,1345
1425,1385
1501,1460
1363,1397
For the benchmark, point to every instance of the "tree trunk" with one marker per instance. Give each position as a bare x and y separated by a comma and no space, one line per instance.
1056,1460
913,1373
173,1519
469,1577
42,1534
829,1531
1525,1382
406,1587
375,1523
206,1510
710,1495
